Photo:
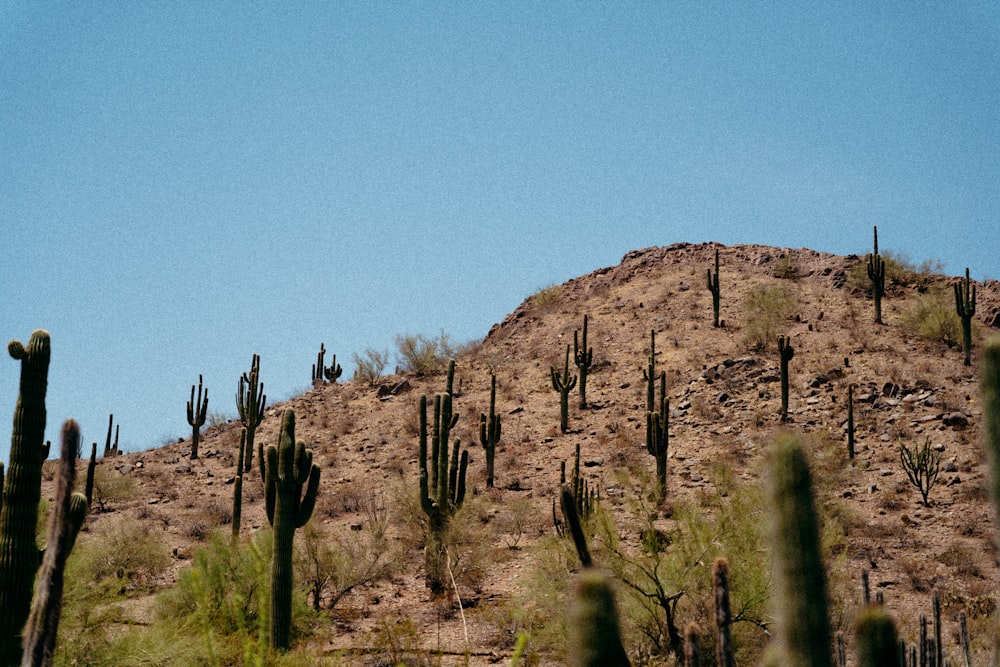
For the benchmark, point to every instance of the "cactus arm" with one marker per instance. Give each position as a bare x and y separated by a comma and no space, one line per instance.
308,502
270,462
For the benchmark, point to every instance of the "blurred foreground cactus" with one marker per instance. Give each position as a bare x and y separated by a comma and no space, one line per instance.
19,555
288,469
799,579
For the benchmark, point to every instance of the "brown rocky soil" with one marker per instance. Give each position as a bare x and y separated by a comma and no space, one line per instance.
724,400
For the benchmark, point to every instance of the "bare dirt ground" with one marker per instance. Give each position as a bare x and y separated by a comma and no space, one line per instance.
724,399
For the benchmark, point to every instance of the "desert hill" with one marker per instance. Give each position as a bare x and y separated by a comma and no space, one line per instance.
724,395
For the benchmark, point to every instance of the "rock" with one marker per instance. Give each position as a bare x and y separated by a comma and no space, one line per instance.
956,419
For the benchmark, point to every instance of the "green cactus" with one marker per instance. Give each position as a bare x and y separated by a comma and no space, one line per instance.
91,467
850,422
563,383
19,555
875,634
288,468
786,352
333,372
990,387
68,513
658,438
876,273
442,489
250,401
723,613
649,374
583,357
321,371
238,486
692,651
965,306
197,411
800,581
489,432
713,287
111,447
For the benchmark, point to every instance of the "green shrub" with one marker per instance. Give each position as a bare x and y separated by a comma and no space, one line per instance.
125,552
900,272
369,367
424,355
932,315
765,310
110,487
545,296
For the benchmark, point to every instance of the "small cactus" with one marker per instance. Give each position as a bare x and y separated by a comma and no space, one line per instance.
250,402
713,287
563,383
876,273
800,581
965,306
197,411
583,357
786,351
291,483
489,432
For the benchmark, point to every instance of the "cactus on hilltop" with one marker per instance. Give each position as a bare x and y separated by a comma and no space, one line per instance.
583,357
800,580
442,486
876,273
19,555
786,352
320,371
563,383
250,402
111,446
713,287
489,432
91,468
197,411
291,483
69,511
965,306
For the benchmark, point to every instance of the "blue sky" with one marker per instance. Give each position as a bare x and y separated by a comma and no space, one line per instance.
185,184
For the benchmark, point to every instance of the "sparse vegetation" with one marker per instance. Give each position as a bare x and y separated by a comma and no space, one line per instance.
922,465
932,316
368,367
765,311
424,355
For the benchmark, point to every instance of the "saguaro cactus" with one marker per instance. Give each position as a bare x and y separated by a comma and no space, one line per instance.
442,490
658,438
876,272
786,351
250,401
723,613
713,287
850,422
68,513
876,638
583,357
965,306
563,384
238,485
800,582
489,432
990,387
111,447
91,468
649,374
287,469
21,493
197,411
320,371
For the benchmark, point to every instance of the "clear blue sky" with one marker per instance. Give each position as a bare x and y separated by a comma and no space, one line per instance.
183,184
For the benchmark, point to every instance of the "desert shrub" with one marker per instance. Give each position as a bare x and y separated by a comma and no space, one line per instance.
369,367
424,355
900,272
545,296
787,266
932,315
765,310
110,487
125,552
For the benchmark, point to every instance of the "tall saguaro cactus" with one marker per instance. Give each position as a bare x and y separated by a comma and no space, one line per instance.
786,351
442,487
583,357
876,272
197,411
850,422
723,613
800,581
658,438
288,469
321,371
238,486
250,401
68,513
649,374
965,306
489,432
713,287
21,493
563,383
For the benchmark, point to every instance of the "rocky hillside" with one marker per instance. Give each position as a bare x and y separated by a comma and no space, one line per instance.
723,387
